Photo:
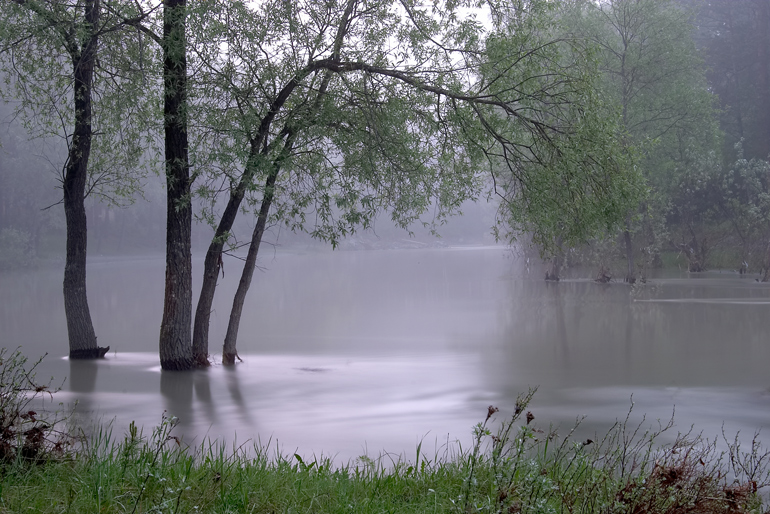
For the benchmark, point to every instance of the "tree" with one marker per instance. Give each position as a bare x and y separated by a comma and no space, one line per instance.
175,330
271,121
694,218
656,77
49,52
743,201
735,38
342,110
581,180
175,348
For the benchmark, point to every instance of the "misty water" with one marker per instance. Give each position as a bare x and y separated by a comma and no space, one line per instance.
347,353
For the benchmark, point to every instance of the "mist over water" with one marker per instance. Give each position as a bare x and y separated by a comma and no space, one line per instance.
347,353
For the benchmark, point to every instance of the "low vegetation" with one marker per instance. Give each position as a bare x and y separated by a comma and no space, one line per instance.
514,468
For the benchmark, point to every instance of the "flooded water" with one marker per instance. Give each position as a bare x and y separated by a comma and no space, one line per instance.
351,353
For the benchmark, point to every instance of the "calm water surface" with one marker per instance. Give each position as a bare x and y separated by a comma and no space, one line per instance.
347,353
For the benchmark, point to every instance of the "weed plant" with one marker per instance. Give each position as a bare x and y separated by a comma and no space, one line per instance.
24,433
522,468
516,468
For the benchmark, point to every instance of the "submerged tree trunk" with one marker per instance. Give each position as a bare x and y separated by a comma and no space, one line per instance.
630,272
697,253
80,328
175,330
214,254
211,266
212,263
229,352
554,272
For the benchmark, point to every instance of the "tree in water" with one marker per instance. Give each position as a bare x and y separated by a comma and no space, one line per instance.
175,342
175,330
50,54
340,123
654,75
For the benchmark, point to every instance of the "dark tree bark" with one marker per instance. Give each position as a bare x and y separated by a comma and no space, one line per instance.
206,299
175,330
229,352
80,328
214,254
630,272
211,266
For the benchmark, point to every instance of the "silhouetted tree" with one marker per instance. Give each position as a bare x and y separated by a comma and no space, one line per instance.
50,55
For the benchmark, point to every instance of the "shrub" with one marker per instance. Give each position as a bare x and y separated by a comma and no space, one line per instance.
522,468
25,434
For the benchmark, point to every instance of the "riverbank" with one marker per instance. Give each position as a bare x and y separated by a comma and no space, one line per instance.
521,474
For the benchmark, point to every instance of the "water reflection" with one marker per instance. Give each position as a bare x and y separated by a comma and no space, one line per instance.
82,381
670,343
176,388
82,375
241,409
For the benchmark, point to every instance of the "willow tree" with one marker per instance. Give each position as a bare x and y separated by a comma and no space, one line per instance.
49,51
576,179
338,111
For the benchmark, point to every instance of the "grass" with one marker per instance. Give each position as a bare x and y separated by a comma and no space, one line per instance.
157,475
512,467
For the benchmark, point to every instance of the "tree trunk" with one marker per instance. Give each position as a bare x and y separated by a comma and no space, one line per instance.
80,328
630,272
229,352
205,301
175,330
697,252
211,265
213,256
766,274
553,272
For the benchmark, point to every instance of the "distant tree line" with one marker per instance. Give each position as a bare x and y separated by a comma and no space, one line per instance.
691,83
